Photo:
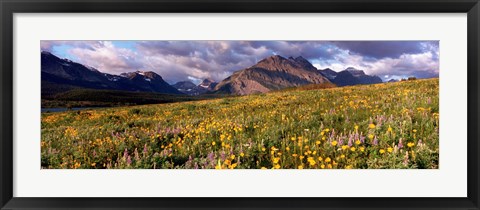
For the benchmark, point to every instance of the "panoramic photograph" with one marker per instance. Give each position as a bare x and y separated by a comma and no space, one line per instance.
128,104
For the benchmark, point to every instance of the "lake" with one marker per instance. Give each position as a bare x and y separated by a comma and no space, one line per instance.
62,109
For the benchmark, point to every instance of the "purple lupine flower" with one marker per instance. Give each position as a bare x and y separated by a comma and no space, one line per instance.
129,160
375,141
125,153
340,140
211,157
405,159
189,163
380,120
173,131
137,157
145,150
362,138
400,144
350,140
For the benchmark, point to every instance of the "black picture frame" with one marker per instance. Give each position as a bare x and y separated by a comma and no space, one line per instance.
10,7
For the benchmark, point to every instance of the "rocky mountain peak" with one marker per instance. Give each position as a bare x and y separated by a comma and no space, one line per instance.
208,84
355,72
272,59
272,73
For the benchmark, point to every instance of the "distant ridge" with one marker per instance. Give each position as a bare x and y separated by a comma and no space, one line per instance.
350,76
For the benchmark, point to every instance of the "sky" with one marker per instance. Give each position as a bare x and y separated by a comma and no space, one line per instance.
197,60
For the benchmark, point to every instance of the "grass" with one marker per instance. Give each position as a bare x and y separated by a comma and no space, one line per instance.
390,125
112,98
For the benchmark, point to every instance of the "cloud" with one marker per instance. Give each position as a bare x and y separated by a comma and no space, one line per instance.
200,59
307,49
107,58
421,65
391,49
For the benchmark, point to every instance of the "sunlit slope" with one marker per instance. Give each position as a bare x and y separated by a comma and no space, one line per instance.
391,125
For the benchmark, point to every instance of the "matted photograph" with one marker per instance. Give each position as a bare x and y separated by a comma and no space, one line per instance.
318,104
232,104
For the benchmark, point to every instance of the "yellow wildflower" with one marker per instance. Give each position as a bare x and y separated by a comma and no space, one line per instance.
410,144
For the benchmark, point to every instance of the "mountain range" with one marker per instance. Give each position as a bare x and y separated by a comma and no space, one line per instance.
60,75
188,87
272,73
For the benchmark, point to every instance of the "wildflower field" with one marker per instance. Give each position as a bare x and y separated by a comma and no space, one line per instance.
389,125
